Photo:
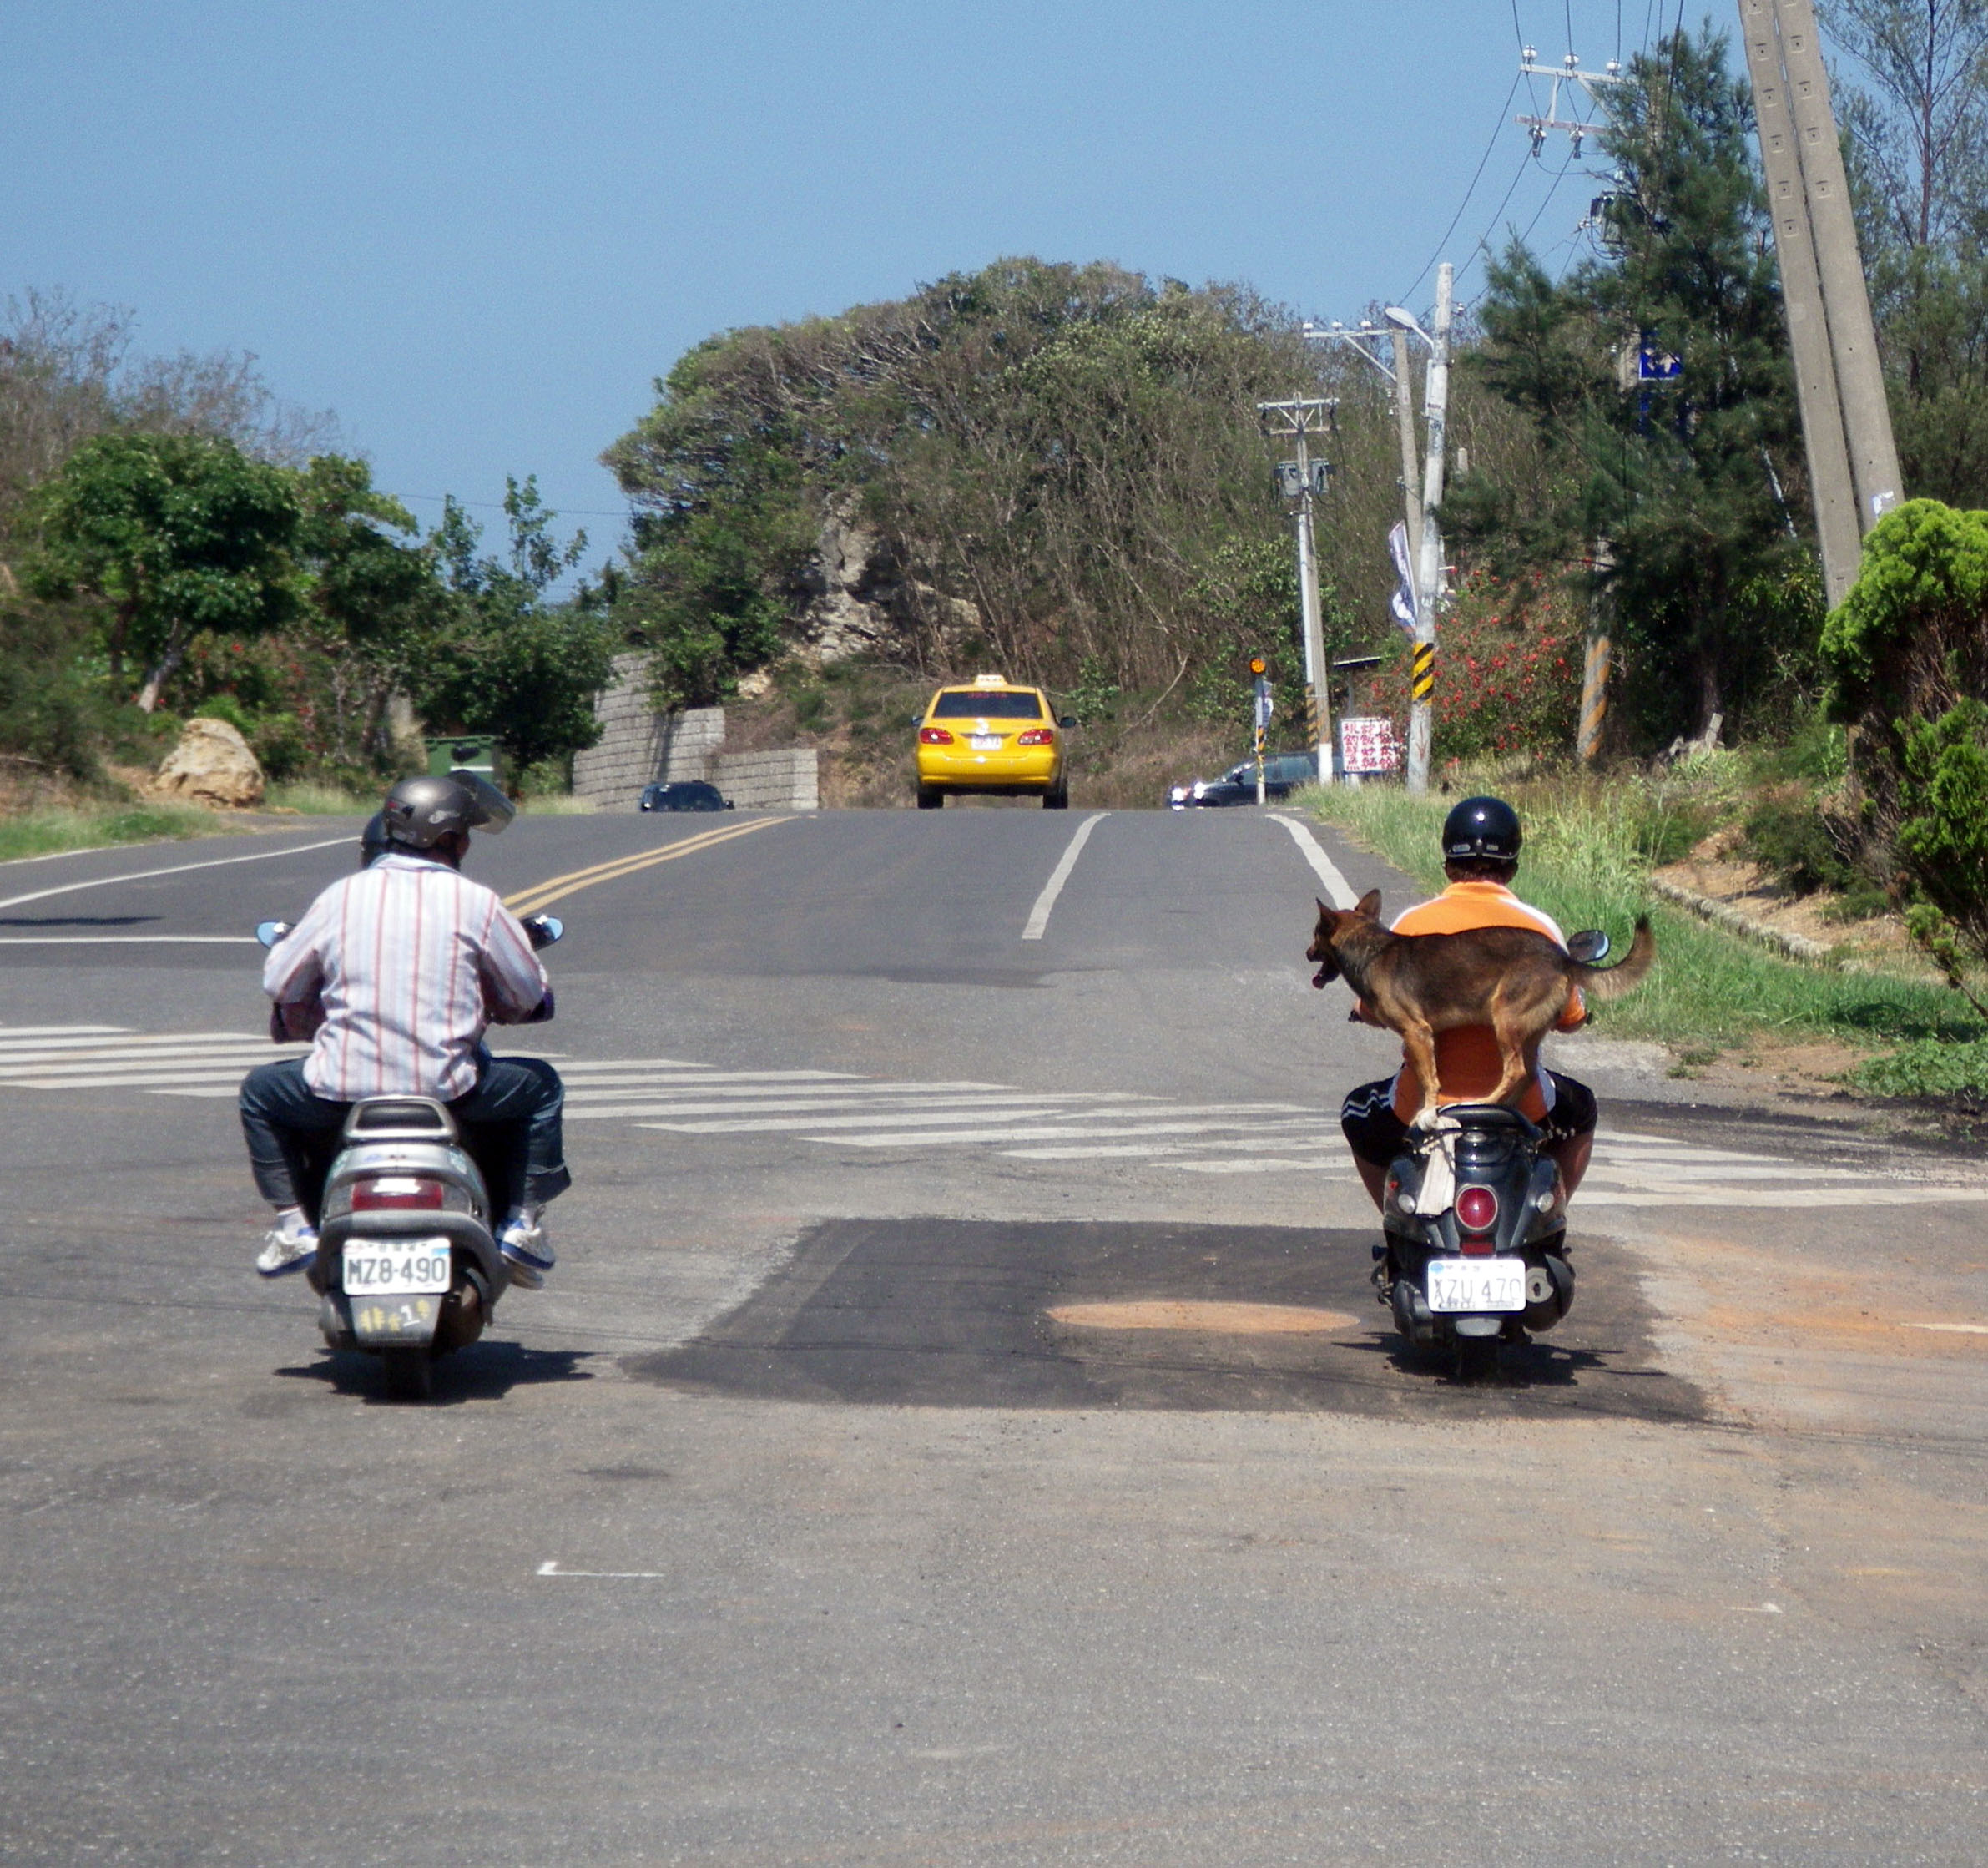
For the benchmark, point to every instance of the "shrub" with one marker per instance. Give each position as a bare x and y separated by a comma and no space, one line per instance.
1794,841
1508,677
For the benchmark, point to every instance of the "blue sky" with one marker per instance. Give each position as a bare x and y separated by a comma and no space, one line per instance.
477,232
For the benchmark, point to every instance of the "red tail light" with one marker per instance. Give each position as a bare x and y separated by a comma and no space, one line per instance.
1477,1209
1036,736
397,1193
934,736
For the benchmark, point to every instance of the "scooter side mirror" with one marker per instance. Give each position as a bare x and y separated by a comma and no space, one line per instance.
269,933
542,929
1588,946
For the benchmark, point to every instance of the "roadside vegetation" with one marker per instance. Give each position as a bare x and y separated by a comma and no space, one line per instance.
1591,847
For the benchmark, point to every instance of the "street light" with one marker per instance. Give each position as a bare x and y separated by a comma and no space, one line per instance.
1300,482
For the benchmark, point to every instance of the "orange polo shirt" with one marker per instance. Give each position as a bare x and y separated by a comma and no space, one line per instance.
1466,1058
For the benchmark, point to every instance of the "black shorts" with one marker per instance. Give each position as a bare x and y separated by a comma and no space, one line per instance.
1376,1134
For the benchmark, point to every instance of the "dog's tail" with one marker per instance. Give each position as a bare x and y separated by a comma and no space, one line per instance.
1611,983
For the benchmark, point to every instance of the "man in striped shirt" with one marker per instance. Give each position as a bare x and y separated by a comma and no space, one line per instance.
1480,857
394,974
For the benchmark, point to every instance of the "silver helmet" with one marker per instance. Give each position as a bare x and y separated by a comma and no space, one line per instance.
421,811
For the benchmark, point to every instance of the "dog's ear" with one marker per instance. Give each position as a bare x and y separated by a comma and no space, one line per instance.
1369,904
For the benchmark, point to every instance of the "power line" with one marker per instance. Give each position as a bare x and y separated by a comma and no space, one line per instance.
1477,176
497,506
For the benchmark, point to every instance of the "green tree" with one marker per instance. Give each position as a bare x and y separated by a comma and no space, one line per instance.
1913,98
173,533
1043,463
1696,481
375,598
516,663
1908,654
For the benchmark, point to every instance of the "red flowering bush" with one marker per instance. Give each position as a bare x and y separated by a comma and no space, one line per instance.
1507,670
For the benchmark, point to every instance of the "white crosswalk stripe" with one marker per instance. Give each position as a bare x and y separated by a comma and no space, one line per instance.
697,1104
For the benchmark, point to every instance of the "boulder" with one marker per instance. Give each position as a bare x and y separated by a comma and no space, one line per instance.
212,765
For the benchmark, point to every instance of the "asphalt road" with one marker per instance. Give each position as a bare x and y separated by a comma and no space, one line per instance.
959,1429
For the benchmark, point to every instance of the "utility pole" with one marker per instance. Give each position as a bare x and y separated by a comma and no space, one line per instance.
1853,335
1405,426
1301,481
1429,582
1831,486
1594,665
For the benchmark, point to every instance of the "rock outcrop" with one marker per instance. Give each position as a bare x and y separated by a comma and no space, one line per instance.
862,599
212,765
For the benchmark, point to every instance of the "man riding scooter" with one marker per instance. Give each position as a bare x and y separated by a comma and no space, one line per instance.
394,974
1482,838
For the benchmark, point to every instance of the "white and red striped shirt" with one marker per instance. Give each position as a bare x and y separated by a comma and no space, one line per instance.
410,963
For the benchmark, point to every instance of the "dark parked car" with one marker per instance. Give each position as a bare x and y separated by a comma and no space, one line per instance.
685,795
1282,773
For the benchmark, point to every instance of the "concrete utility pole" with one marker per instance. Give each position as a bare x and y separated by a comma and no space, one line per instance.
1594,660
1830,480
1300,480
1853,335
1404,425
1429,582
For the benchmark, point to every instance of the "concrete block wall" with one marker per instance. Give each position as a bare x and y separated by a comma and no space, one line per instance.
789,780
639,746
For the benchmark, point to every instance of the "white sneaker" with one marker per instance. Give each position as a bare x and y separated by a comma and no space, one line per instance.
526,1249
288,1245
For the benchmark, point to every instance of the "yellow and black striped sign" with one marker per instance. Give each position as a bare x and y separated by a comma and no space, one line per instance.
1311,714
1424,671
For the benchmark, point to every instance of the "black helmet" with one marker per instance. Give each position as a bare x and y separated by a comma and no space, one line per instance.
373,839
421,811
1483,827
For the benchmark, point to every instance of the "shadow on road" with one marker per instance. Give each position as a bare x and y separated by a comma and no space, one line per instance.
977,1314
484,1371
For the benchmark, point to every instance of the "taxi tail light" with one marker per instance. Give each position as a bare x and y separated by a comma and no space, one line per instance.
397,1193
934,736
1036,736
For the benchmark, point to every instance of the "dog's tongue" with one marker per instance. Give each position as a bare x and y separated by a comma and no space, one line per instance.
1320,977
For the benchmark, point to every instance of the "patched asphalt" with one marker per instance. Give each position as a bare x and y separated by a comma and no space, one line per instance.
949,1312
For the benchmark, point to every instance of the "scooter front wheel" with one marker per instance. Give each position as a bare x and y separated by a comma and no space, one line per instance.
409,1373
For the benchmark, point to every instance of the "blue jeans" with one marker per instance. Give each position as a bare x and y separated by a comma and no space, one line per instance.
510,1118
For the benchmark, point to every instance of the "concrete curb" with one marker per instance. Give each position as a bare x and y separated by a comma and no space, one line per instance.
1796,946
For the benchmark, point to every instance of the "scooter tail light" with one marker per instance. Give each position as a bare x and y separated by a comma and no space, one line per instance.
934,736
398,1194
1477,1209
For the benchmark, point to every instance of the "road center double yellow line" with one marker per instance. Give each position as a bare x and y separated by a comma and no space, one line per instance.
556,888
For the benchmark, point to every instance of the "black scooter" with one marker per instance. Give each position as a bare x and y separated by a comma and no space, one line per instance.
1473,1249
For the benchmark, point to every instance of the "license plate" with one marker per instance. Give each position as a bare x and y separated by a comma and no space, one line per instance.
396,1267
984,742
1466,1285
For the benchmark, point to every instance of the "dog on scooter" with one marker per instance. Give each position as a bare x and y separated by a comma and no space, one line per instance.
1510,978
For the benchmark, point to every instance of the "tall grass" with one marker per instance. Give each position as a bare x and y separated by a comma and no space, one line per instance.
313,799
1589,846
49,832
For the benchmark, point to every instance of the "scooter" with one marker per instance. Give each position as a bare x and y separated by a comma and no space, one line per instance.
408,1265
1473,1249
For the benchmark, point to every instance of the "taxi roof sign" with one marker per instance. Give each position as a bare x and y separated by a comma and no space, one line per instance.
990,681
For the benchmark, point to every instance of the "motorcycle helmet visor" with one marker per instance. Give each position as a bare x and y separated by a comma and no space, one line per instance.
490,809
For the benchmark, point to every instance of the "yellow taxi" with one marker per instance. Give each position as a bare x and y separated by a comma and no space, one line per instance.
993,738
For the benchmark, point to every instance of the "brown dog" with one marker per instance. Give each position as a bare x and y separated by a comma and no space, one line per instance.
1510,978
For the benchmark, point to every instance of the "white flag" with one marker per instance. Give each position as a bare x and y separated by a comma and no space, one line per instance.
1402,604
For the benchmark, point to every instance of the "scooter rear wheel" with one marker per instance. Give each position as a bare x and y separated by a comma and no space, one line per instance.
1476,1358
409,1373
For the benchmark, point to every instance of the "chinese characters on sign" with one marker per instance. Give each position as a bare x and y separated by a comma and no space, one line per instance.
1370,745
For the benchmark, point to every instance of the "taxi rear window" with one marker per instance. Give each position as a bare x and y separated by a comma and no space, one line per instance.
993,703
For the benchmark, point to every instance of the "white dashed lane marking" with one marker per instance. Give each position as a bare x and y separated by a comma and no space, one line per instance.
697,1104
